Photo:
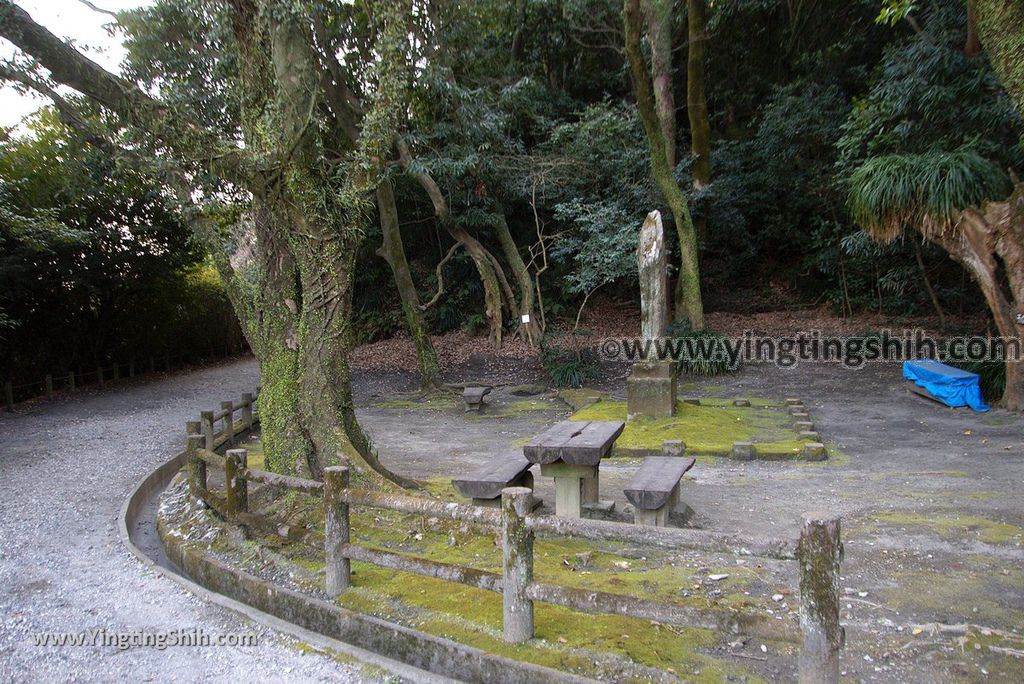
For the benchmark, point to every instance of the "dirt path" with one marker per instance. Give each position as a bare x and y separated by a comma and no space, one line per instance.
64,471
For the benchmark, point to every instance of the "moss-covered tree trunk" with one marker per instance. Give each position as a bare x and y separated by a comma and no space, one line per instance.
659,35
529,331
688,304
392,250
326,410
696,102
291,283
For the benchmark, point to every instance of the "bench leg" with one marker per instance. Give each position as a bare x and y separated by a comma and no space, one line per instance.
655,518
568,496
569,486
591,489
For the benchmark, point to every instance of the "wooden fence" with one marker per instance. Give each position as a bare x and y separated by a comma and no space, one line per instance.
818,551
101,376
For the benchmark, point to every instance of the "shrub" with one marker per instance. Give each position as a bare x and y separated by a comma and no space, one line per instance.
568,363
708,365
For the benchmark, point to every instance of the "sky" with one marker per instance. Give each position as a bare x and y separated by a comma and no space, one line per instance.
67,19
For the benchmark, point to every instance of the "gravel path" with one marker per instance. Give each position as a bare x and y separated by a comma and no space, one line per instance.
64,472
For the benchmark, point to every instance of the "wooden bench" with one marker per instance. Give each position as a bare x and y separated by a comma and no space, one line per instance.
654,490
484,484
474,397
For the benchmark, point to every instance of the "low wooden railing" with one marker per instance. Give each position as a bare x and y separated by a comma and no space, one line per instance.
101,376
818,551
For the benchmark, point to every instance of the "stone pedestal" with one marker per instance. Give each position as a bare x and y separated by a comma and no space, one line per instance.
651,390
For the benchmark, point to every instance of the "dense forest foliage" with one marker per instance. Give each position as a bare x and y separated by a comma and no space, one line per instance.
360,169
95,267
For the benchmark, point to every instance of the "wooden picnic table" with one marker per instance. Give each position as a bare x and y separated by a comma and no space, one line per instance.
571,451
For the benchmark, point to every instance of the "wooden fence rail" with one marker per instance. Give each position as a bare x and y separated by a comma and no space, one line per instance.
818,553
101,376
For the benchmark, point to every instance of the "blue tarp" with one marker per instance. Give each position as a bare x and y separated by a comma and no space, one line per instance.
951,386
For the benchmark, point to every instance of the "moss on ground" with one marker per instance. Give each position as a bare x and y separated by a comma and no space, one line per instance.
581,398
956,526
975,586
710,428
565,639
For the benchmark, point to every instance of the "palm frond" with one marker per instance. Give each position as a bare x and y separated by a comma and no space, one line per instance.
925,192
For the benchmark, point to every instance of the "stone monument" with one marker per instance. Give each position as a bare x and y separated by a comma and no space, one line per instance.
651,385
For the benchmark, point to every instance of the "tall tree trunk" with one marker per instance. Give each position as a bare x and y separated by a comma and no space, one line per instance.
326,408
293,295
483,260
987,235
518,36
530,331
659,34
392,251
271,323
696,102
688,304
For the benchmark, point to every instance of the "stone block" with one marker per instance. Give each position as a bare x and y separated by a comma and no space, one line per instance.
743,451
814,451
673,447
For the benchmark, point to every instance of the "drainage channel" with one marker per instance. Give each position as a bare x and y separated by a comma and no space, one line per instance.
138,532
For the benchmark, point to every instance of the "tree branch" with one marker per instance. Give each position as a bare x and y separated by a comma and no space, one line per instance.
70,67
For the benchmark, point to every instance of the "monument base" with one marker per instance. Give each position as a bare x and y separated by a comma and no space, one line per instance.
651,390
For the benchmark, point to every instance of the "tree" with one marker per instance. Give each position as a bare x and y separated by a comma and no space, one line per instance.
944,196
89,253
688,305
697,101
281,152
947,184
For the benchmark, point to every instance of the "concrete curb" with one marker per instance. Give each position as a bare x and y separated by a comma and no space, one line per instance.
154,483
424,657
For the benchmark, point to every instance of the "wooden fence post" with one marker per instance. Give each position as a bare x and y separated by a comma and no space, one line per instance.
48,381
9,396
338,568
193,427
236,486
206,423
228,407
196,466
819,554
71,380
247,411
116,371
99,375
517,564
